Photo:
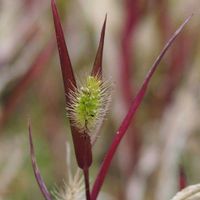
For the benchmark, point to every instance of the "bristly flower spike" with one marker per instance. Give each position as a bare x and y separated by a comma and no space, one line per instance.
88,106
88,103
73,188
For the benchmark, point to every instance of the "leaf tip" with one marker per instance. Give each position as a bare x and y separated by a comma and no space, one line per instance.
97,67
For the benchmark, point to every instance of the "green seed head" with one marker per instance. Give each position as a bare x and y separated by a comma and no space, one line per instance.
88,104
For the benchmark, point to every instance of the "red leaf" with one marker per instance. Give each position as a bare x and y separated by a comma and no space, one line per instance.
66,67
82,145
36,170
127,120
97,67
83,148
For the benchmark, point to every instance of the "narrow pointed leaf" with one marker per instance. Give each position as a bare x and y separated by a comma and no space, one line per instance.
36,170
127,120
66,67
97,67
81,141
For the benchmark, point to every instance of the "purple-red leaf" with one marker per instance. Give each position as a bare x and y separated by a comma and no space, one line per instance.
97,67
127,120
81,140
36,170
132,17
83,148
66,67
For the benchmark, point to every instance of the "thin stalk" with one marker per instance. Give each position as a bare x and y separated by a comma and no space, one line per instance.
132,16
36,170
87,183
127,120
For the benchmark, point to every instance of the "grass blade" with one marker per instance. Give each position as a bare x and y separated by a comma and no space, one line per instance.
82,143
66,67
132,110
36,170
97,67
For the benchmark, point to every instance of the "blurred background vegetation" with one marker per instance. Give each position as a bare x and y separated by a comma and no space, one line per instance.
164,138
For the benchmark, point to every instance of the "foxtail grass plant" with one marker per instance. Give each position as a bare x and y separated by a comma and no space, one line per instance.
86,107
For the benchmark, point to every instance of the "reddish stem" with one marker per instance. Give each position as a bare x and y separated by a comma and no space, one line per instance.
87,183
